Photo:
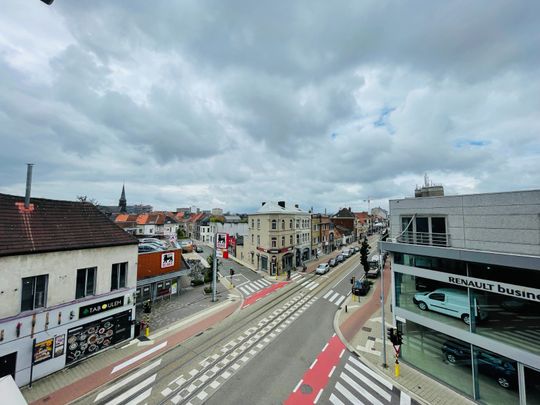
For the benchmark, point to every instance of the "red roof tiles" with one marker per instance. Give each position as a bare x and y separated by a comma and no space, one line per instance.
53,225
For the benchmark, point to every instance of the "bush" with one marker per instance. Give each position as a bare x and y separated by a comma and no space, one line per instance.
197,282
208,290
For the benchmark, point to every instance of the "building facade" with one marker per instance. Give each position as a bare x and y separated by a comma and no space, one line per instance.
68,285
466,291
278,238
322,234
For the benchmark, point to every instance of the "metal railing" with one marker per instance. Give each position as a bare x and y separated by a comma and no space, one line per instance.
425,238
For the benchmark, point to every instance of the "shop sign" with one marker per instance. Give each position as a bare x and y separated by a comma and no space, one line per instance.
174,287
99,307
221,241
43,351
59,344
167,260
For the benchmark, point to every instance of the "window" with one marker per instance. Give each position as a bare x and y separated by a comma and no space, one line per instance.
86,282
297,239
252,223
283,241
34,292
252,239
291,224
282,224
274,224
118,276
258,224
258,240
274,242
291,239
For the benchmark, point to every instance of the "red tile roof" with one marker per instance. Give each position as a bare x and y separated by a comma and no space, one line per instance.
53,225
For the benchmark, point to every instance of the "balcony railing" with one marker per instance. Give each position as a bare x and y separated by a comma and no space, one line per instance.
425,238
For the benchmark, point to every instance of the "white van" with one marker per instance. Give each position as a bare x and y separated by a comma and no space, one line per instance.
448,301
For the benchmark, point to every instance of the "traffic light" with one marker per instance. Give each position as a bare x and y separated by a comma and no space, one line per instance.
147,307
390,332
352,280
399,338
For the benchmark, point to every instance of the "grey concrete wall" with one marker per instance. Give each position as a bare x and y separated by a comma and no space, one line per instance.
498,222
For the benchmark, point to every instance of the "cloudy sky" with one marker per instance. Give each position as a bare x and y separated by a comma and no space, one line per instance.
230,103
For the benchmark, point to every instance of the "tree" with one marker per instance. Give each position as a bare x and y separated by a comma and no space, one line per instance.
180,233
364,252
85,198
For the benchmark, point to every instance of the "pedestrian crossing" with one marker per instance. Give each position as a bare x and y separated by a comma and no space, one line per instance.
119,393
253,286
334,297
296,277
309,285
359,385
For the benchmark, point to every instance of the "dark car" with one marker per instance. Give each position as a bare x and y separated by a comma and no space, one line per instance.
199,249
361,287
332,262
499,368
340,258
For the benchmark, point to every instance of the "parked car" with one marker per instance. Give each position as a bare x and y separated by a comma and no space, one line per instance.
356,249
502,370
426,284
322,268
361,287
340,258
346,253
448,301
199,249
147,247
373,272
333,262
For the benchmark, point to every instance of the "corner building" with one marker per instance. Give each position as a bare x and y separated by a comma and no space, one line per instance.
466,291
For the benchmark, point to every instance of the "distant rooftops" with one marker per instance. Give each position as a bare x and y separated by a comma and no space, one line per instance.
273,207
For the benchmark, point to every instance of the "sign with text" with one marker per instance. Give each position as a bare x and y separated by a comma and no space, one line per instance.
99,307
59,344
43,351
221,240
167,260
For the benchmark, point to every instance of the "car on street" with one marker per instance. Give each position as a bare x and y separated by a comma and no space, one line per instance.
356,249
340,258
502,370
333,262
199,249
361,287
322,268
373,272
346,253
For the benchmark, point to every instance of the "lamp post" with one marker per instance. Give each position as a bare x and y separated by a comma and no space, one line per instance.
383,321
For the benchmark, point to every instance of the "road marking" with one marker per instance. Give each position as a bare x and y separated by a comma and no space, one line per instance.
325,346
404,399
328,294
372,373
313,364
335,400
332,371
369,382
340,300
372,400
125,381
318,396
132,391
250,288
244,290
333,297
347,394
305,282
312,286
298,385
138,357
343,278
341,354
141,397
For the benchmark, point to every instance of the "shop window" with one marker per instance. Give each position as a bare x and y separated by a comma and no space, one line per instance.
532,386
86,282
496,378
34,292
118,276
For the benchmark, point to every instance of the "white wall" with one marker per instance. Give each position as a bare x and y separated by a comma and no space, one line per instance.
62,270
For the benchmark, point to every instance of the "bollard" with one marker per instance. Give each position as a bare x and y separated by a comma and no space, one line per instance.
346,308
396,369
147,331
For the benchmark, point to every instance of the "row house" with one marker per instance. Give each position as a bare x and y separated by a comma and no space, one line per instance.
322,234
68,285
363,224
279,238
346,222
152,224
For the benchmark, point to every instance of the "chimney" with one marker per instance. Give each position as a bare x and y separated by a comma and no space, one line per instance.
295,205
28,185
264,202
281,204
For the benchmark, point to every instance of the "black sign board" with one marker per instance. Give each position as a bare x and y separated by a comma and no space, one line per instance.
100,307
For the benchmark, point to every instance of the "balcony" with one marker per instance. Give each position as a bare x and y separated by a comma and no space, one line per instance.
425,238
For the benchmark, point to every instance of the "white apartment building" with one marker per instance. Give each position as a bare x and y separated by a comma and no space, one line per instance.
68,285
466,291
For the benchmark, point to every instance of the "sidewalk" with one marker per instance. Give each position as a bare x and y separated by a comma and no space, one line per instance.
80,379
361,328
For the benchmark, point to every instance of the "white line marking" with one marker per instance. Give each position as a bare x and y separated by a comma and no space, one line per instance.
244,290
372,373
335,400
313,364
248,287
214,385
359,389
346,393
339,301
333,297
305,283
346,275
132,390
324,348
404,399
313,287
138,357
298,385
141,397
328,294
332,371
369,383
132,377
318,396
341,354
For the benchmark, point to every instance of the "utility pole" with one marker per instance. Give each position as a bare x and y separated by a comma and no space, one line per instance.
383,321
214,270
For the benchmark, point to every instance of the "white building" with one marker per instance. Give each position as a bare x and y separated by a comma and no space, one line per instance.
466,291
68,284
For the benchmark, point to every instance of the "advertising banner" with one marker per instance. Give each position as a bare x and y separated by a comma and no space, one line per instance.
43,351
59,344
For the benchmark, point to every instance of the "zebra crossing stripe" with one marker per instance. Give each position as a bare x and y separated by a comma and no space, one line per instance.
259,284
340,300
328,294
311,288
244,290
121,398
333,297
372,373
335,400
347,394
359,389
369,383
140,398
303,284
250,288
404,399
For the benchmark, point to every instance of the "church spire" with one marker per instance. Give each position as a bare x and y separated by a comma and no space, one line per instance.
122,203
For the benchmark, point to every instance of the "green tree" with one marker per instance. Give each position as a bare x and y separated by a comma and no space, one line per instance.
181,234
364,253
